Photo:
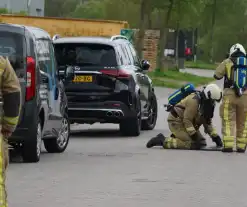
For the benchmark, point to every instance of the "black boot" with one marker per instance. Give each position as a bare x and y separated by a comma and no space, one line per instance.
240,150
203,142
156,141
173,136
227,150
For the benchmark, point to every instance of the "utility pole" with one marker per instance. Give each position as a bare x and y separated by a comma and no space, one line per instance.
8,5
28,6
212,32
195,37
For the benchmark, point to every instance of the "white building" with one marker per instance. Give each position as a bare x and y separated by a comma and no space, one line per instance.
32,7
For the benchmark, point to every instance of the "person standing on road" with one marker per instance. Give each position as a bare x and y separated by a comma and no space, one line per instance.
185,119
233,110
10,95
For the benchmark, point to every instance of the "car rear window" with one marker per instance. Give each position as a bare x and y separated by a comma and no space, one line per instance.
85,54
11,46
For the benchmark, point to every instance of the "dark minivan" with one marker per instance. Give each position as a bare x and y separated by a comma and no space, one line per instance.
44,111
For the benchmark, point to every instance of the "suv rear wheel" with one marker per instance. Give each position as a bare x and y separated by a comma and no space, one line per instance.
60,143
132,126
150,123
32,148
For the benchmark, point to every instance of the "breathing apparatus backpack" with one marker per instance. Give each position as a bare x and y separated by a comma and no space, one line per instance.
179,95
239,82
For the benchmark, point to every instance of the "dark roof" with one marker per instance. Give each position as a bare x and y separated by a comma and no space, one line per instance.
37,32
13,25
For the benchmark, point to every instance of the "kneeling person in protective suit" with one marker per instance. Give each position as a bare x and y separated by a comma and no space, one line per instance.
185,119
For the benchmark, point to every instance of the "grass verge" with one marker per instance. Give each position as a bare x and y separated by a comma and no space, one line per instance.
200,65
175,79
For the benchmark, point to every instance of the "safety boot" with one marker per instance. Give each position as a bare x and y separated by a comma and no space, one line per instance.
173,136
156,141
241,150
228,144
241,145
227,149
203,142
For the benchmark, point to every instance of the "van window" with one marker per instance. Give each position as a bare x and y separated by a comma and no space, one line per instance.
53,59
12,46
45,57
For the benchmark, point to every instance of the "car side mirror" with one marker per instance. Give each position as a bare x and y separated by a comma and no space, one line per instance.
145,65
69,73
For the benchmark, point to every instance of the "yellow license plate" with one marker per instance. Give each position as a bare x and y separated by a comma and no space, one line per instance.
83,79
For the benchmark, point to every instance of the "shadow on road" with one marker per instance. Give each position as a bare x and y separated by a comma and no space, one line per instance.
16,158
96,133
15,155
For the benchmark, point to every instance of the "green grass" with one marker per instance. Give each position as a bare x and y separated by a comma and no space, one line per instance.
200,65
175,79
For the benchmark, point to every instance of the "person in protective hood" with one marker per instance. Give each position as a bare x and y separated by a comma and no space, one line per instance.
185,119
233,110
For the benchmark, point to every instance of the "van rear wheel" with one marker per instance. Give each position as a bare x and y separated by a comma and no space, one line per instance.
31,149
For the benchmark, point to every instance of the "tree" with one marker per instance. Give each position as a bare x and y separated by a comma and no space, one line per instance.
3,11
165,19
65,7
218,26
144,11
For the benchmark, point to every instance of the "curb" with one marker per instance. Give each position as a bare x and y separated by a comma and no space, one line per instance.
204,85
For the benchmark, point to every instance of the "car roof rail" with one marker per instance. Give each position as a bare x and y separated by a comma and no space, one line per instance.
117,37
55,37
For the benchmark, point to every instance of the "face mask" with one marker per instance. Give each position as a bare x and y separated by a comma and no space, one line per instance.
207,109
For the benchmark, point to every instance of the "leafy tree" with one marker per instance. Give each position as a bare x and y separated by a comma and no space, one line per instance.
3,11
220,23
60,8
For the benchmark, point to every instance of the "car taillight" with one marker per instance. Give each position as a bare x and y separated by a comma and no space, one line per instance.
116,73
30,87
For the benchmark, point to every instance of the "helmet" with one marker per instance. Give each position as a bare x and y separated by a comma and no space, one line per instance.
237,48
212,92
209,95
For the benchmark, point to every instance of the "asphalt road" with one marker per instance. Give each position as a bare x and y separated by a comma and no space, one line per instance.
102,169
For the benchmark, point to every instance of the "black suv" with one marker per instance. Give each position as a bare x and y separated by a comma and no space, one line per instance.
44,111
110,83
